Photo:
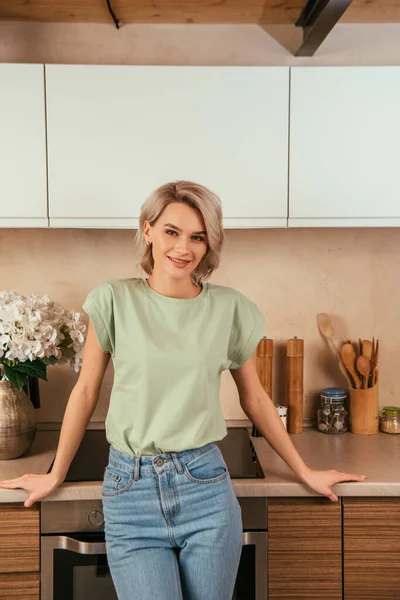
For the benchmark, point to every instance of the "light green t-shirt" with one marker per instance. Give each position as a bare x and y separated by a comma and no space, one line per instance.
168,355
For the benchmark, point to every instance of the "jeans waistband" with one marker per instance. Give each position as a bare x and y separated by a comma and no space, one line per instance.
148,464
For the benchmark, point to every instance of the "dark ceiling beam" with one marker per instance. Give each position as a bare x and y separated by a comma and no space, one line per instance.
317,19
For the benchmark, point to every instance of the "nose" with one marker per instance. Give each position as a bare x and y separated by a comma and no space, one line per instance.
181,245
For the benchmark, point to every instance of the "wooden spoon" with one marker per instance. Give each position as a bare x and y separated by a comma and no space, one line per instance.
325,327
364,368
349,359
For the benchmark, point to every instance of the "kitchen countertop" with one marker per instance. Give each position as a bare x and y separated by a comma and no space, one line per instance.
376,456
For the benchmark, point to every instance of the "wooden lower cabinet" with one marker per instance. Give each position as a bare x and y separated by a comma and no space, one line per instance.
19,552
371,545
304,549
19,586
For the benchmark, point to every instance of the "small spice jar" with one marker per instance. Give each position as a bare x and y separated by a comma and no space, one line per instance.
389,419
332,416
282,410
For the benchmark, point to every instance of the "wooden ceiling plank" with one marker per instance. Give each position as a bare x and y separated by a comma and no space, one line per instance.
282,12
134,11
265,12
373,11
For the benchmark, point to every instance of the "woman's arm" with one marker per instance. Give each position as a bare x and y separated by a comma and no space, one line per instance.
80,407
261,411
81,404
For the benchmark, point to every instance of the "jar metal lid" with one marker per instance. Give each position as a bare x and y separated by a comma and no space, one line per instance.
335,394
390,411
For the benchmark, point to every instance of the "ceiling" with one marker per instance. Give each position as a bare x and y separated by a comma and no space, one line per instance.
268,12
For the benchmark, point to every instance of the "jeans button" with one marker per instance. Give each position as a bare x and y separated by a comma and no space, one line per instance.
159,462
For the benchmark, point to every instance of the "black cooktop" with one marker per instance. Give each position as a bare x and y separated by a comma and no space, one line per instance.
92,456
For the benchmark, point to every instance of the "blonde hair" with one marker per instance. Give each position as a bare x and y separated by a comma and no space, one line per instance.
196,196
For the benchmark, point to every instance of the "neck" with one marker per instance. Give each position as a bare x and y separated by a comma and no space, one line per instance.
167,286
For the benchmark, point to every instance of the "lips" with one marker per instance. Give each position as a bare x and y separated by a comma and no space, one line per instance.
173,258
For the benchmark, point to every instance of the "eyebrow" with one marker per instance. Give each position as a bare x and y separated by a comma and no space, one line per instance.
178,229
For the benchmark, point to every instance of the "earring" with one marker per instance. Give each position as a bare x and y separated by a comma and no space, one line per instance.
148,243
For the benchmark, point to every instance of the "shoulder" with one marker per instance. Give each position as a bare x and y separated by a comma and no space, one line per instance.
104,288
231,295
113,285
107,290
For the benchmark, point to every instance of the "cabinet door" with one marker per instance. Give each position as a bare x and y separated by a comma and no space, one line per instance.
115,133
23,193
344,146
371,545
19,539
19,586
304,549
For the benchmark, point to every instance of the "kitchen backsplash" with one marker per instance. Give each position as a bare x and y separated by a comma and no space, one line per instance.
292,274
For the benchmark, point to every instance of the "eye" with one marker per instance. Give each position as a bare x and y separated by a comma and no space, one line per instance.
199,238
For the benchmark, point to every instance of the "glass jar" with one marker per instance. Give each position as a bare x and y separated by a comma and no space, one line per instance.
389,419
282,410
332,416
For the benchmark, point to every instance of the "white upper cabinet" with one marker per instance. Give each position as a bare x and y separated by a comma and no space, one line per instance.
115,133
344,146
23,194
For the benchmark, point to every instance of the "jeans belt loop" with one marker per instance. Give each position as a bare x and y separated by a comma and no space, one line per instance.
177,462
137,468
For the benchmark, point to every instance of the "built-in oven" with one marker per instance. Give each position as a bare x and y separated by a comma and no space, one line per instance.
73,552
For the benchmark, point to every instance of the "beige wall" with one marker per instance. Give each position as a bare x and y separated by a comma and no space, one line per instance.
353,274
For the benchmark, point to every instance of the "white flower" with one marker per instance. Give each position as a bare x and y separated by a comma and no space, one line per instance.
30,329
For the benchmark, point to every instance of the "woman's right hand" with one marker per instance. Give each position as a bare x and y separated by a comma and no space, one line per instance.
38,486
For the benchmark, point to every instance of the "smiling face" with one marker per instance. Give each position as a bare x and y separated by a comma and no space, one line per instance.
179,233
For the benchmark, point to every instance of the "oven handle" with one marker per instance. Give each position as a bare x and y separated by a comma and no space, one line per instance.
79,547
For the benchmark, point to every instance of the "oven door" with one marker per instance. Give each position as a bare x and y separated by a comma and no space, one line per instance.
74,567
252,580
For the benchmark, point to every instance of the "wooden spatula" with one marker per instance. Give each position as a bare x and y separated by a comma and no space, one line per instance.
349,358
367,348
326,329
374,366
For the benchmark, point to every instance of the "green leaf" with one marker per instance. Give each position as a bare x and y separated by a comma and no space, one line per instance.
34,369
17,378
49,360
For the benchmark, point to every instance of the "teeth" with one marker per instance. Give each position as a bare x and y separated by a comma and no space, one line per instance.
177,260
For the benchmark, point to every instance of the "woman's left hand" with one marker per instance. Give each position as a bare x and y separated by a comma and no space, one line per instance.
322,481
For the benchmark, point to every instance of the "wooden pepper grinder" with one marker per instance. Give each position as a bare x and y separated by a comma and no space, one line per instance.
295,393
264,354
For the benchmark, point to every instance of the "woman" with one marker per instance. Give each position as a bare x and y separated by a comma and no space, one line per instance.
172,521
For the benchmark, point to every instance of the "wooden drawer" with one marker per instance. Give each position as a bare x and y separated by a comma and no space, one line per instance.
19,586
19,539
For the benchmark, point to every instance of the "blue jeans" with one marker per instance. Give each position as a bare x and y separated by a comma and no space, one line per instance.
173,525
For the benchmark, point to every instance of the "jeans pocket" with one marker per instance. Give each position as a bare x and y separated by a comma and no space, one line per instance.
116,481
209,467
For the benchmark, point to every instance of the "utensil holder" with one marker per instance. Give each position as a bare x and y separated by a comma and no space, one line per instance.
364,410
